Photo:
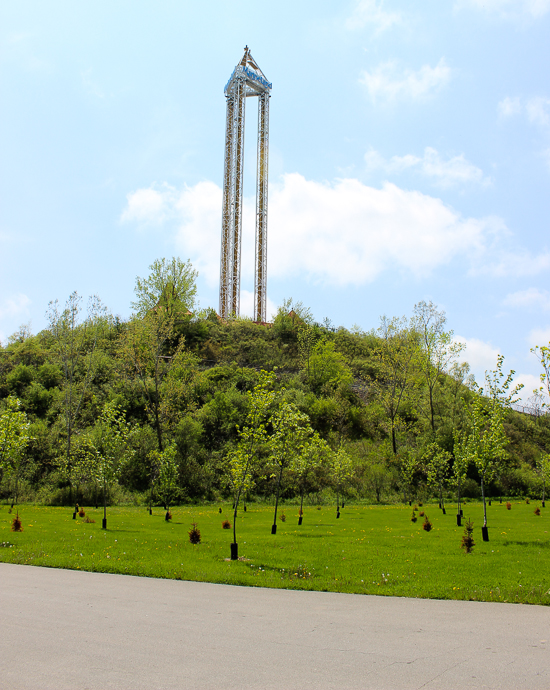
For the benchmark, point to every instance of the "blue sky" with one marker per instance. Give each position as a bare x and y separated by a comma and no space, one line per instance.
409,158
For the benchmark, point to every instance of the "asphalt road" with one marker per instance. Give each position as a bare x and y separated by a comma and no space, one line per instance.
62,629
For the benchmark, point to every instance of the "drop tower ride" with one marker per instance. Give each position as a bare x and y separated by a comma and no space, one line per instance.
247,80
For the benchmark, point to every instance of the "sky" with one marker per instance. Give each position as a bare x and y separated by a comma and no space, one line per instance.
409,158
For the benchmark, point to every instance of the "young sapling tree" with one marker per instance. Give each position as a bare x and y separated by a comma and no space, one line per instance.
166,475
314,453
14,437
462,458
437,469
291,430
487,436
109,449
252,436
341,467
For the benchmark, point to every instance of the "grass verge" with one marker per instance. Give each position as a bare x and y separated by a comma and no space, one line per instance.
369,550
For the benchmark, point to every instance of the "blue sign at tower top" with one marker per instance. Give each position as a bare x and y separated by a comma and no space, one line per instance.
251,75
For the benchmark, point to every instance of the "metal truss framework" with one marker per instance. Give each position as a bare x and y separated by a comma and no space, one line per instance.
247,80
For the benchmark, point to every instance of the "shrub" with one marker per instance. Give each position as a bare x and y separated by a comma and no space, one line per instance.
81,513
226,524
508,505
537,511
420,504
16,524
413,517
282,517
168,516
415,507
421,513
194,534
89,521
468,542
427,525
527,501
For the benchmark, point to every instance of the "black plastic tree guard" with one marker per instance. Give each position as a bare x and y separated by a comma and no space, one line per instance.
459,520
300,520
444,511
104,523
234,551
274,529
485,533
337,514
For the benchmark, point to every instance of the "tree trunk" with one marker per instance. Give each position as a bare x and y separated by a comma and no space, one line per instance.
484,504
432,410
104,526
274,528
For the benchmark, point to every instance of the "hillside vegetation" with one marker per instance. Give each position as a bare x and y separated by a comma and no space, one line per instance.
162,400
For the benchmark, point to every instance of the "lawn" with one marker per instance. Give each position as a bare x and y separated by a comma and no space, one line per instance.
369,550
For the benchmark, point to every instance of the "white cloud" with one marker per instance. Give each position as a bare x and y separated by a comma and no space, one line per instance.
503,262
247,306
508,9
509,106
530,298
481,356
445,173
530,383
149,206
15,305
340,233
536,109
344,233
387,82
539,336
370,12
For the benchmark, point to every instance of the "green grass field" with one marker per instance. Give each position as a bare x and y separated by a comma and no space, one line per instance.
369,550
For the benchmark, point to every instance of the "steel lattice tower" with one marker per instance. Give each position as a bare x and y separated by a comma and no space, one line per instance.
247,80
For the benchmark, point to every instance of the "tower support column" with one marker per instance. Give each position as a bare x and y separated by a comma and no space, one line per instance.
247,80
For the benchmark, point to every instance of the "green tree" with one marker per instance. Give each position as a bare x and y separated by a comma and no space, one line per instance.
437,461
170,289
166,474
313,454
407,466
306,342
341,470
14,437
291,430
487,436
75,346
462,455
162,371
252,436
396,382
109,449
327,367
438,350
543,355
